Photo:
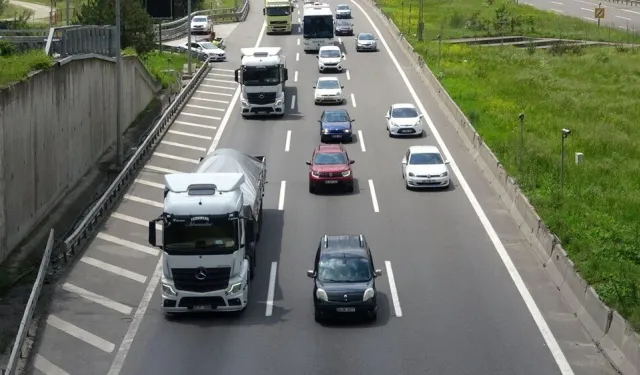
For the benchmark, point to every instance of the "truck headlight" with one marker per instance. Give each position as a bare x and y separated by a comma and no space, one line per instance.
322,295
245,103
279,102
234,288
368,294
168,290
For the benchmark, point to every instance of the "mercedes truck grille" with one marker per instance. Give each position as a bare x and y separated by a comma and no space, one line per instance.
261,97
201,280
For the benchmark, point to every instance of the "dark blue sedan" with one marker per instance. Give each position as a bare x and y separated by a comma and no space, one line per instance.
335,125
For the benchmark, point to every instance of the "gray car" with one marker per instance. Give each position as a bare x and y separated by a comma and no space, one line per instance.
366,42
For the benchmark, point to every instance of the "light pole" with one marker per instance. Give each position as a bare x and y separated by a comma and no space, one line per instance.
118,89
189,51
565,134
521,146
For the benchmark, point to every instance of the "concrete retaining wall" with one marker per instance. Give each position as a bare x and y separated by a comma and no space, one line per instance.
607,328
53,130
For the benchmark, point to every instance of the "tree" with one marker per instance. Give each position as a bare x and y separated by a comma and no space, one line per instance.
136,25
3,6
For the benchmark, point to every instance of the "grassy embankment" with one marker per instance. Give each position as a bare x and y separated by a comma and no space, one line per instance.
11,11
593,91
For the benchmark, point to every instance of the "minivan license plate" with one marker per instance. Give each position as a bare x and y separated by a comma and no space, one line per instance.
346,309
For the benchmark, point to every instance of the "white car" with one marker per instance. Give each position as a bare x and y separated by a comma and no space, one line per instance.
343,11
404,119
328,90
201,24
424,167
330,58
213,51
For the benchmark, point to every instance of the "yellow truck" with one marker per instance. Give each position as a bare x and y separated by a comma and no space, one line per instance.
279,16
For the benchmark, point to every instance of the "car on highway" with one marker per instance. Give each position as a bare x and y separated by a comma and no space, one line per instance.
330,58
344,278
201,25
404,119
343,11
213,52
328,90
335,125
343,27
330,166
424,167
366,42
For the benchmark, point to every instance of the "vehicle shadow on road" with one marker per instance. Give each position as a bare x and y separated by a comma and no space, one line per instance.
384,315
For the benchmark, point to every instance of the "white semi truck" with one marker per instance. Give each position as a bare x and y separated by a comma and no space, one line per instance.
317,26
210,226
262,76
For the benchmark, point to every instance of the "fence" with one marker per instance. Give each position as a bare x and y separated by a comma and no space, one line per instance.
65,40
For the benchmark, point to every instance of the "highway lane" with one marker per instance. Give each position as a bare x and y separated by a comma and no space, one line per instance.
457,299
616,15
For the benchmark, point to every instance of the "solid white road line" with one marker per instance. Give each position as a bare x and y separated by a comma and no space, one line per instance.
173,157
394,290
629,11
114,269
149,202
161,170
287,142
548,336
149,183
46,367
212,93
185,134
360,139
272,289
211,100
348,75
353,100
131,245
197,115
80,334
220,75
295,76
293,101
298,41
175,144
203,107
96,298
297,56
118,362
374,198
134,220
624,18
283,187
557,10
194,125
217,87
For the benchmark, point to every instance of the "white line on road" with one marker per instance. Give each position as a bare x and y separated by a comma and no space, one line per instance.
131,245
174,157
185,134
557,10
96,298
192,124
211,100
353,100
149,183
629,11
149,202
46,367
298,42
212,93
557,3
217,87
298,19
114,269
80,334
361,140
197,115
348,75
221,75
283,187
394,290
222,70
203,107
548,336
590,19
374,198
272,289
287,142
219,80
134,220
340,40
588,10
161,170
297,56
624,18
295,76
293,101
176,144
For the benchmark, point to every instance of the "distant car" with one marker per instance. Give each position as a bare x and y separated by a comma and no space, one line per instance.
404,119
344,278
329,58
213,52
343,27
201,25
424,167
335,125
330,166
366,42
343,11
328,90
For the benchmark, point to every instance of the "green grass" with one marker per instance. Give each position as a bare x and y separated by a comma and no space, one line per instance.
158,62
16,67
218,4
11,11
593,91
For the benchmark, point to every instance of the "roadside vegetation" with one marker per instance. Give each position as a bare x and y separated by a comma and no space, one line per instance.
15,66
591,90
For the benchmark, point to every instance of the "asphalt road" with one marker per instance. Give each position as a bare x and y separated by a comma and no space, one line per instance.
448,306
616,15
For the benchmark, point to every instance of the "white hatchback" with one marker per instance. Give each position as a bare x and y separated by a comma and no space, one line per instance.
328,90
330,58
404,119
424,167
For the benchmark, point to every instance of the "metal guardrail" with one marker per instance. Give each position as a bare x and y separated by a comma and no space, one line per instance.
625,2
25,323
100,211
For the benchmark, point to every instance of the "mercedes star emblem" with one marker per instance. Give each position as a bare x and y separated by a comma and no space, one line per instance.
261,96
201,273
345,297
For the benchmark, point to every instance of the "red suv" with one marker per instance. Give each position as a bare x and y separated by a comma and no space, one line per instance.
330,166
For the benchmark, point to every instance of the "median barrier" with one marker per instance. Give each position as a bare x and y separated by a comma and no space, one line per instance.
609,331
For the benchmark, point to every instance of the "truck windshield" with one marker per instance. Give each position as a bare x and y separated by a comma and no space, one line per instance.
317,27
278,11
259,76
217,237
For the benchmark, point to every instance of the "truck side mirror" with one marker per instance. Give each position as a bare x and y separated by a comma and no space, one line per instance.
264,11
152,233
286,74
237,71
292,8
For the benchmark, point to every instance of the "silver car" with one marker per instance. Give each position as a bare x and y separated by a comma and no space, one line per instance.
366,42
